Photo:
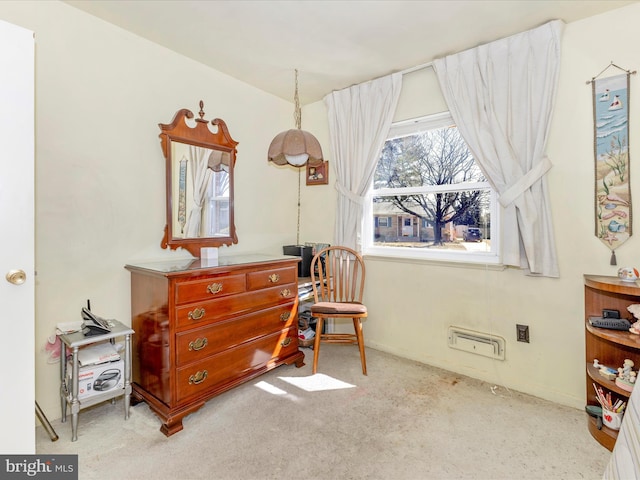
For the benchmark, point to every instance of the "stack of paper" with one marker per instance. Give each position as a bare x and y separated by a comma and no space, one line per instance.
305,292
68,327
98,353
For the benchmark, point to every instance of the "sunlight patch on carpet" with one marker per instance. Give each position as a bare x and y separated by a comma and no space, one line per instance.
317,383
267,387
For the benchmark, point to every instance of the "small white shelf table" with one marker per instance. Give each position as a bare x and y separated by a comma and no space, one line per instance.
69,393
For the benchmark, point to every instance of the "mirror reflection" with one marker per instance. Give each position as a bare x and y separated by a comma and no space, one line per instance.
200,156
201,184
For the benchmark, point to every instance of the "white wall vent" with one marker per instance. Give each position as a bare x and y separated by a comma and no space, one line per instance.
491,346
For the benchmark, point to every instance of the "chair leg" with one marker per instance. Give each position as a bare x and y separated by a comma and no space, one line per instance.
357,325
316,343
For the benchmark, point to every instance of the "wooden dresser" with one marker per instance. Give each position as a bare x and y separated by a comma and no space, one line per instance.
202,329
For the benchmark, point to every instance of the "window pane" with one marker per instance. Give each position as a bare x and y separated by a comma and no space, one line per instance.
427,158
453,220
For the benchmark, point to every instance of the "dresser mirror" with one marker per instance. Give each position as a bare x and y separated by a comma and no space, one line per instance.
200,157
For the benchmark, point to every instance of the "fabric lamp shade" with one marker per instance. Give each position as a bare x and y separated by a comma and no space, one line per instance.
295,147
219,161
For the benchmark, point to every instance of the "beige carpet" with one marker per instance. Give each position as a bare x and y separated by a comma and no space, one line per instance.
404,420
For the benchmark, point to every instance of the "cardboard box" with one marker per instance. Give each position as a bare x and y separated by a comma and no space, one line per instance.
97,379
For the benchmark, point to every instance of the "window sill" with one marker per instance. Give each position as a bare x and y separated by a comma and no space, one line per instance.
436,262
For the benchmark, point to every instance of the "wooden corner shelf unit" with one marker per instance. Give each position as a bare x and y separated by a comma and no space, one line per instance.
610,347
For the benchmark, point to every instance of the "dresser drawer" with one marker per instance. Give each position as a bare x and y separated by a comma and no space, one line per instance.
198,343
231,365
198,314
214,287
270,278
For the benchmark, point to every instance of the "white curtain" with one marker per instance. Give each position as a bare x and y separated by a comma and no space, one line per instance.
200,179
359,122
501,96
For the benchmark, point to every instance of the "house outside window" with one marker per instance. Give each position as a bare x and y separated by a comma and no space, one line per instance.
429,199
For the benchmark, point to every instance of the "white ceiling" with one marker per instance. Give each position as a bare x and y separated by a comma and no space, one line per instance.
333,43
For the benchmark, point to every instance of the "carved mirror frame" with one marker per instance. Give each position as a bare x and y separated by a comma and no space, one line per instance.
200,135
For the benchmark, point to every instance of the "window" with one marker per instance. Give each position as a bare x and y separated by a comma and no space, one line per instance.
383,221
429,198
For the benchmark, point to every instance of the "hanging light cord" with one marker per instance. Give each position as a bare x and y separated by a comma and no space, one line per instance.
297,114
298,228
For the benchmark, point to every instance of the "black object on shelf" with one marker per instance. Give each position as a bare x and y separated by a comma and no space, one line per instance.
610,323
595,412
304,252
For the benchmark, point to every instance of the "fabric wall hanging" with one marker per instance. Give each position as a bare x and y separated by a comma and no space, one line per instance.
613,219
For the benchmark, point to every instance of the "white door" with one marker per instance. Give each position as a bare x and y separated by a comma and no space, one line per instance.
407,227
17,365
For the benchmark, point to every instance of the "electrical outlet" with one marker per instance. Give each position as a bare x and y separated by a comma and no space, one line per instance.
523,333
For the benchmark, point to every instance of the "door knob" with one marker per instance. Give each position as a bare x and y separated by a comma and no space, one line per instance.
17,277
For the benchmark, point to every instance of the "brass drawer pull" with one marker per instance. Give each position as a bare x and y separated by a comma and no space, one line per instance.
199,377
197,314
214,288
198,344
286,342
285,316
274,278
285,293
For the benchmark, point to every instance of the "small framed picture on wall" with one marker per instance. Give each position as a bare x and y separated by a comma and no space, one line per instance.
318,175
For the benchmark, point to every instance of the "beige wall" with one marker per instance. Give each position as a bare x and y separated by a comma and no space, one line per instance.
100,93
412,304
318,202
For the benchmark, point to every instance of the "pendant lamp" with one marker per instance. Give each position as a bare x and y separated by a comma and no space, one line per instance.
295,147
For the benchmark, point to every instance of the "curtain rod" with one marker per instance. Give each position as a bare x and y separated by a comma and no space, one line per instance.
417,67
403,72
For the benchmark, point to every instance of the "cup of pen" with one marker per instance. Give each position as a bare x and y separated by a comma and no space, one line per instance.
612,412
611,419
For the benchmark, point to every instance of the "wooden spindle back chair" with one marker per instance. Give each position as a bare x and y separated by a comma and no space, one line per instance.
337,275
